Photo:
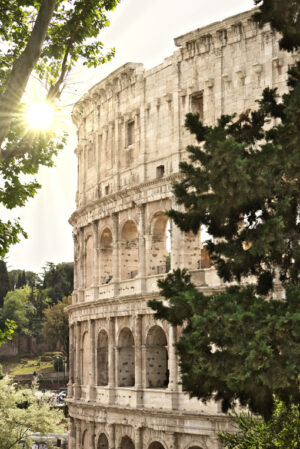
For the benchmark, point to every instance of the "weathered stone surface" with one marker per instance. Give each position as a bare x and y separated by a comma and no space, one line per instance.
124,387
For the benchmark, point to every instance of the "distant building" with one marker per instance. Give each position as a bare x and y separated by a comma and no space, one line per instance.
124,389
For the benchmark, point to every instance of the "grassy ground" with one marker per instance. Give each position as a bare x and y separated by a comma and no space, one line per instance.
28,363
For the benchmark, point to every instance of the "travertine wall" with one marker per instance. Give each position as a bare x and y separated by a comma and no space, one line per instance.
124,387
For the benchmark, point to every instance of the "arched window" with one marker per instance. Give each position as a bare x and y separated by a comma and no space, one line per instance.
102,441
126,443
129,251
89,267
102,358
156,445
159,262
195,447
106,272
157,358
126,368
85,356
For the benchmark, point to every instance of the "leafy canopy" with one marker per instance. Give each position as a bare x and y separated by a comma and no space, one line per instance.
56,324
25,411
282,431
45,38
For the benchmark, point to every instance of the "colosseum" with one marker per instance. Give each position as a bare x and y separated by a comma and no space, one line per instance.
124,387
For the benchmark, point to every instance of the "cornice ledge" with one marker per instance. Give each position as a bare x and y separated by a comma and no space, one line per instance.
121,194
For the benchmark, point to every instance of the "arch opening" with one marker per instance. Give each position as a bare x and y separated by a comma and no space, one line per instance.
126,362
127,443
157,373
156,445
106,256
85,359
102,358
89,265
160,250
129,251
102,441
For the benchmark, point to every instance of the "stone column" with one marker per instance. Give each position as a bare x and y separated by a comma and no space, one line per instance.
77,266
76,260
144,369
142,142
139,438
111,436
81,265
92,435
138,361
173,440
71,361
72,434
92,370
95,259
173,372
116,253
148,243
111,360
78,434
77,385
176,247
142,253
177,242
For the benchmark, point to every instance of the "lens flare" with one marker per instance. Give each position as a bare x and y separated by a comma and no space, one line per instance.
39,115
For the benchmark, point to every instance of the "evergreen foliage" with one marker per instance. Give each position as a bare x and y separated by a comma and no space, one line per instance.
58,280
4,281
242,183
235,345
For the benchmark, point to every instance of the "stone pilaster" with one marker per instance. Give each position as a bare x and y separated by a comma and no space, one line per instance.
71,361
77,434
139,438
76,260
116,253
138,360
72,434
77,385
111,360
173,371
92,442
172,437
81,264
95,259
111,436
148,243
92,367
142,252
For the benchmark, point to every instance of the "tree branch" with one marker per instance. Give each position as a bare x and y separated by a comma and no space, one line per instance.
22,69
54,90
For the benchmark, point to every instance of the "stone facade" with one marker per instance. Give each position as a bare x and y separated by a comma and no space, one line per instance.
124,389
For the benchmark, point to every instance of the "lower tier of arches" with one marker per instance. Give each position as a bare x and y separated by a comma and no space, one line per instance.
119,429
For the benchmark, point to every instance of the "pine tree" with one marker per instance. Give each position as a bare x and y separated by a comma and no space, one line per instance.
243,183
4,281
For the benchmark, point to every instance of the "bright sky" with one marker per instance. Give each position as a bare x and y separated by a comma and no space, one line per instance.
142,31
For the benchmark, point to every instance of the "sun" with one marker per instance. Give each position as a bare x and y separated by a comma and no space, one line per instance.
39,115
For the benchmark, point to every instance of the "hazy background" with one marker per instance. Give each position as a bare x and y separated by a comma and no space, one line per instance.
142,31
